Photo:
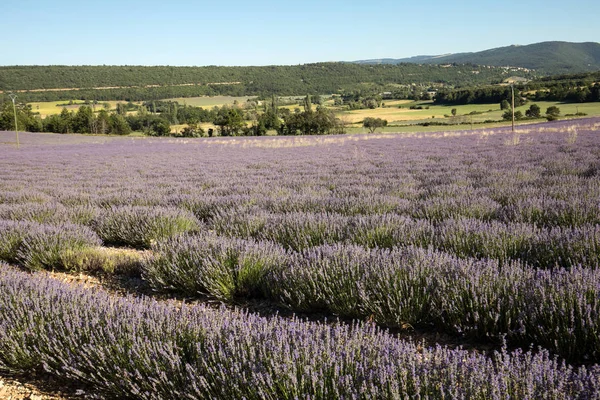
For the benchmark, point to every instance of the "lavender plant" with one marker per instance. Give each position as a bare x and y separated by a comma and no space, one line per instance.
40,246
138,226
486,217
138,348
222,267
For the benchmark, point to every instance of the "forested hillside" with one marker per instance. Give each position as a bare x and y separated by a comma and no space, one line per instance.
142,83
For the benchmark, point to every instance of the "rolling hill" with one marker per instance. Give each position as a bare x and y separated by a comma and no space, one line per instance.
546,57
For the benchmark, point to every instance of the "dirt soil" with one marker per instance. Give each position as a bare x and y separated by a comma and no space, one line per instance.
40,387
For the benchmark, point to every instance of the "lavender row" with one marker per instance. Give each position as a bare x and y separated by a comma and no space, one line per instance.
580,205
465,237
138,348
140,226
39,246
401,287
133,226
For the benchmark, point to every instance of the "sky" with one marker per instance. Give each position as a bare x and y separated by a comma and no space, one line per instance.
264,32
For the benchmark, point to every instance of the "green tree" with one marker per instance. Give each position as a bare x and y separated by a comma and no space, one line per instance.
505,105
103,122
307,104
66,121
230,121
192,130
553,110
83,120
310,123
26,119
453,112
269,119
121,109
159,127
534,111
373,123
119,126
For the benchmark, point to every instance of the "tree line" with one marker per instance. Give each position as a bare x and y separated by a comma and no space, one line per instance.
577,88
479,95
155,118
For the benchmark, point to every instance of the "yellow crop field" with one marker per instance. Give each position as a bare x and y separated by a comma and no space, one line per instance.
45,108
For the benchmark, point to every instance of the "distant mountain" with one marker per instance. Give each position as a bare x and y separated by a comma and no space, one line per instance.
545,57
414,60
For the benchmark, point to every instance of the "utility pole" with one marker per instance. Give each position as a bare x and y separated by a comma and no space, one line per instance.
512,89
13,97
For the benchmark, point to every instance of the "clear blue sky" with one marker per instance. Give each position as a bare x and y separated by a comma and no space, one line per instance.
264,32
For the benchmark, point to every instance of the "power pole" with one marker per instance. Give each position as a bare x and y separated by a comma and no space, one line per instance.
13,97
512,89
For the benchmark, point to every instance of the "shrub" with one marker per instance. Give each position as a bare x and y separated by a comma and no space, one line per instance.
389,230
104,259
39,246
225,268
297,231
12,234
46,246
49,212
140,226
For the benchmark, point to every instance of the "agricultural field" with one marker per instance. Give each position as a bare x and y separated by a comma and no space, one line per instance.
46,108
458,264
401,114
210,101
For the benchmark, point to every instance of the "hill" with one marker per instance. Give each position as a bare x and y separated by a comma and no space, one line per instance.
49,83
546,58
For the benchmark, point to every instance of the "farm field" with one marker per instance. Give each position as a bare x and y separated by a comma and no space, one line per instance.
485,236
46,108
210,101
443,113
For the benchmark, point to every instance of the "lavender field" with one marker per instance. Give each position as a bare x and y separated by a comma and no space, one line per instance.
487,236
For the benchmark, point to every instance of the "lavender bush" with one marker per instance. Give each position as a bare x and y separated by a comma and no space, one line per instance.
48,213
11,237
40,246
222,267
139,226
